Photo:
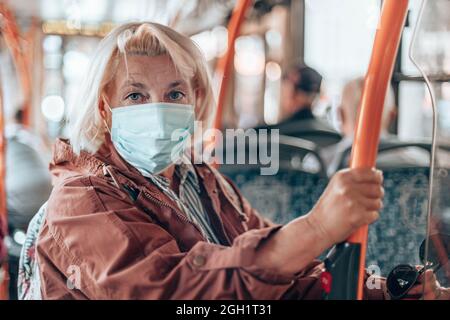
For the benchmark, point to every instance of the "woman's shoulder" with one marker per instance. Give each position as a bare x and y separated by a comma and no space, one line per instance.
79,194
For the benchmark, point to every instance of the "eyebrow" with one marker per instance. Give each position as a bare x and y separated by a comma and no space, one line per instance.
138,85
176,84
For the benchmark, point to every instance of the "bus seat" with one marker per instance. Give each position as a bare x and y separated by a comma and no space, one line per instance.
28,284
322,138
289,193
281,197
396,154
314,130
395,238
289,152
443,155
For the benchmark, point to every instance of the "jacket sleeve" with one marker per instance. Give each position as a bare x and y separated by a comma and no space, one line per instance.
119,253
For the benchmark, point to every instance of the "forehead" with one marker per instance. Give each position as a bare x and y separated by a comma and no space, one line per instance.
151,70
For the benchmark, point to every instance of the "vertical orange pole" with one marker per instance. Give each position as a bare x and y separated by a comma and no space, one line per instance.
367,133
11,34
3,212
224,64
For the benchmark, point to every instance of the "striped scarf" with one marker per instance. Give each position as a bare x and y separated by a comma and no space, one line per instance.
189,198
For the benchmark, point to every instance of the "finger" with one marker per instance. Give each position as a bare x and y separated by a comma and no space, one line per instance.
365,175
427,292
371,204
371,217
362,217
428,276
417,289
430,288
374,205
371,190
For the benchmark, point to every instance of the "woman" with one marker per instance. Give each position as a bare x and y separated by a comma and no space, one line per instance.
128,220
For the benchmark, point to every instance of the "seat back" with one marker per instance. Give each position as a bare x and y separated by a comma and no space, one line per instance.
287,152
292,191
301,155
443,155
281,197
321,137
396,237
395,154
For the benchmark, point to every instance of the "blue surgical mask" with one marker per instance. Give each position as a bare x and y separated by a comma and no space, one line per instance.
152,136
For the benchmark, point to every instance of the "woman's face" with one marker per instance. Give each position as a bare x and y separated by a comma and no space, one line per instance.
149,79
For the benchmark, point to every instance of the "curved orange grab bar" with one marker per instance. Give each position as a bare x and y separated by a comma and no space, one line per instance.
367,131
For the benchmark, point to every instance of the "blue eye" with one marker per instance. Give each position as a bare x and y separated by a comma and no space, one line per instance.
134,96
176,95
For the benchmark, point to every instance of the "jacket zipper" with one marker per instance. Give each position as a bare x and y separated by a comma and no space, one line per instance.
179,214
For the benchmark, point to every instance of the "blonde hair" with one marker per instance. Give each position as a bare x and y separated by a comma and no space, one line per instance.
87,130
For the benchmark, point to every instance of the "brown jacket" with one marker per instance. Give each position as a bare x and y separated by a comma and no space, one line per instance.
114,235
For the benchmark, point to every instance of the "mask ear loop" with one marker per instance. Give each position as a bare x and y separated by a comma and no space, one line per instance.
106,125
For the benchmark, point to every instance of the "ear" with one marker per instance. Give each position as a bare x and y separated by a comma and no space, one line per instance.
102,107
341,115
341,119
392,115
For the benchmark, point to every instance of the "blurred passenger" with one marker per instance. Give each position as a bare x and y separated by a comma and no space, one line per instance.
16,129
28,186
28,182
300,89
131,217
348,110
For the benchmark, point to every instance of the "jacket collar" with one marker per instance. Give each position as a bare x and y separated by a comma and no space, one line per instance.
65,159
63,154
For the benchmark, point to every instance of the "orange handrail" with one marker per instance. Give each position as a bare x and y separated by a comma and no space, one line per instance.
223,68
367,131
11,34
3,212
